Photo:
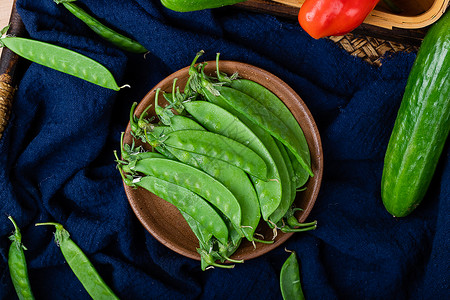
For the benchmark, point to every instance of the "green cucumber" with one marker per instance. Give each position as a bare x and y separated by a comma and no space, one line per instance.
422,124
193,5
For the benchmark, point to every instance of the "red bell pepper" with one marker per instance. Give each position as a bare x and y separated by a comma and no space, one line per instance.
320,18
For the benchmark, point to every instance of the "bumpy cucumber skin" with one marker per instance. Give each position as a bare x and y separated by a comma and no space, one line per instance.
422,124
193,5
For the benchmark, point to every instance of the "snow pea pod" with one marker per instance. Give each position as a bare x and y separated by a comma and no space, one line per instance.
284,216
235,179
194,180
208,255
263,117
61,59
219,147
180,122
301,176
188,202
229,124
252,109
80,264
102,30
18,265
288,198
278,108
290,285
202,235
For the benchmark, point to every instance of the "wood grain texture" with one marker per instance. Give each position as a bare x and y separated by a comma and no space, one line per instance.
9,63
5,13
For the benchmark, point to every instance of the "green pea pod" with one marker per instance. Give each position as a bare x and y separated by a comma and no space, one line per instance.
290,285
301,176
188,202
208,250
286,202
194,180
203,236
18,265
105,32
61,59
80,265
275,105
193,5
261,116
229,124
235,179
219,147
181,122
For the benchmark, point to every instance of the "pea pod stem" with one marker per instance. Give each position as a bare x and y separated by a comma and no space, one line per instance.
80,264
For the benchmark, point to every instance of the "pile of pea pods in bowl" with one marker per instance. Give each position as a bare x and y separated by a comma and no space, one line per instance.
221,162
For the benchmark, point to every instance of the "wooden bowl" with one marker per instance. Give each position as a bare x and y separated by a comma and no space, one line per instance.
165,222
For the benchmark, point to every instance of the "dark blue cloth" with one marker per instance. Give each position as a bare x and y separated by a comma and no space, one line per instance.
57,163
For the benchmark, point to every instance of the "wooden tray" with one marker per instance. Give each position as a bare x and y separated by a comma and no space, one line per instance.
414,13
9,71
407,28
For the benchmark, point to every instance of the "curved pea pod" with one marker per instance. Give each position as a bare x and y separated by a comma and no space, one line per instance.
290,285
263,117
208,255
181,122
194,180
229,125
18,265
102,30
288,190
188,202
203,236
284,217
300,176
207,250
80,265
278,108
234,178
218,146
61,59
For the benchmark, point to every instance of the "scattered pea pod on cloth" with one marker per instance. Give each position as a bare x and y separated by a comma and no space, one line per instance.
102,30
57,163
290,284
18,265
61,59
80,264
